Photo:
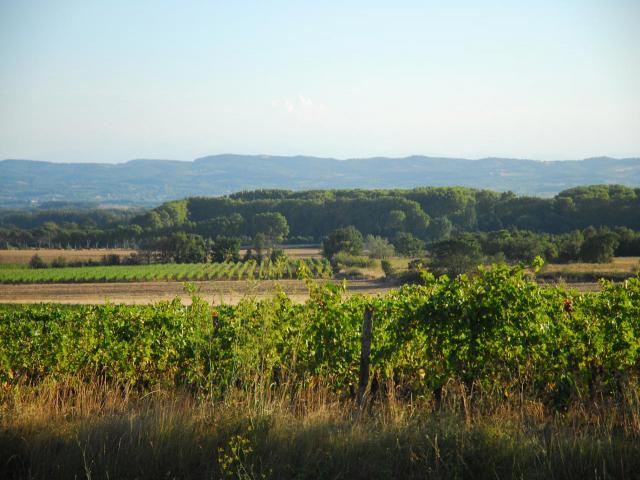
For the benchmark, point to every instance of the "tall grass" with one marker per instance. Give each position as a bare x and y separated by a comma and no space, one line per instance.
72,429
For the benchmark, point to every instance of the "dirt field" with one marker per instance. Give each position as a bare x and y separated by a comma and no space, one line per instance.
23,256
212,291
149,292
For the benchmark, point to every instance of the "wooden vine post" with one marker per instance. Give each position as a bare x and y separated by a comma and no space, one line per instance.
365,354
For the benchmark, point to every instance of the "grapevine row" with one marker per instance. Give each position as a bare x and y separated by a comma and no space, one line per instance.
158,272
496,332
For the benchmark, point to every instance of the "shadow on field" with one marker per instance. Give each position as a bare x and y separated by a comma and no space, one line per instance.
192,439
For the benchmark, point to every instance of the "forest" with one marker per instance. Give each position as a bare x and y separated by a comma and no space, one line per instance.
590,223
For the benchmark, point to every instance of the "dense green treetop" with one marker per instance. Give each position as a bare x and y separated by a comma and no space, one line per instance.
315,213
427,213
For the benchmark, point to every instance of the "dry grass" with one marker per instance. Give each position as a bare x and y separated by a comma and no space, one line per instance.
616,266
400,264
295,252
69,429
23,256
585,276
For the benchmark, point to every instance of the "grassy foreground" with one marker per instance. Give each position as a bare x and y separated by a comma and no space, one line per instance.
76,429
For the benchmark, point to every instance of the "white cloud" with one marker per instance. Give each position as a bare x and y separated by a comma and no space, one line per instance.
300,105
289,107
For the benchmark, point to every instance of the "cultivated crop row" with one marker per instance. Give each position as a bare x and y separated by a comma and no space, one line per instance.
307,268
496,332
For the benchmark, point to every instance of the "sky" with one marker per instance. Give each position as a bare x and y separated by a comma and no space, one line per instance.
96,81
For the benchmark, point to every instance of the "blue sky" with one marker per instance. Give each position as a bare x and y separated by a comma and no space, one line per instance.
110,81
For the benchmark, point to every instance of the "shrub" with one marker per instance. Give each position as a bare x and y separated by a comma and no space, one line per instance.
37,262
110,259
225,249
352,274
277,254
599,248
347,240
133,259
378,247
408,245
300,240
346,260
59,262
387,268
455,257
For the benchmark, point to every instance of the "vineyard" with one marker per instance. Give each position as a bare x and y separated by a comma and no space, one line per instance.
496,331
305,268
489,376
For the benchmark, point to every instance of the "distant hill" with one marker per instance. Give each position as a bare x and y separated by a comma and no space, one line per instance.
150,182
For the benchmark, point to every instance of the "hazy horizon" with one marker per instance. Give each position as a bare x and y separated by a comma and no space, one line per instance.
107,83
340,159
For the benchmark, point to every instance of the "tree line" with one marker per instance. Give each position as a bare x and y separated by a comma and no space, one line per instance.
462,252
425,212
558,228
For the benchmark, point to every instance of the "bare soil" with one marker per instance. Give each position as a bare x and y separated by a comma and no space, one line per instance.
150,292
230,292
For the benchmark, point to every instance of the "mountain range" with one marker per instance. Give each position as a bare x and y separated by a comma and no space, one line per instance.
150,182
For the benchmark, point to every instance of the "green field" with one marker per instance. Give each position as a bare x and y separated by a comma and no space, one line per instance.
498,330
492,376
312,267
